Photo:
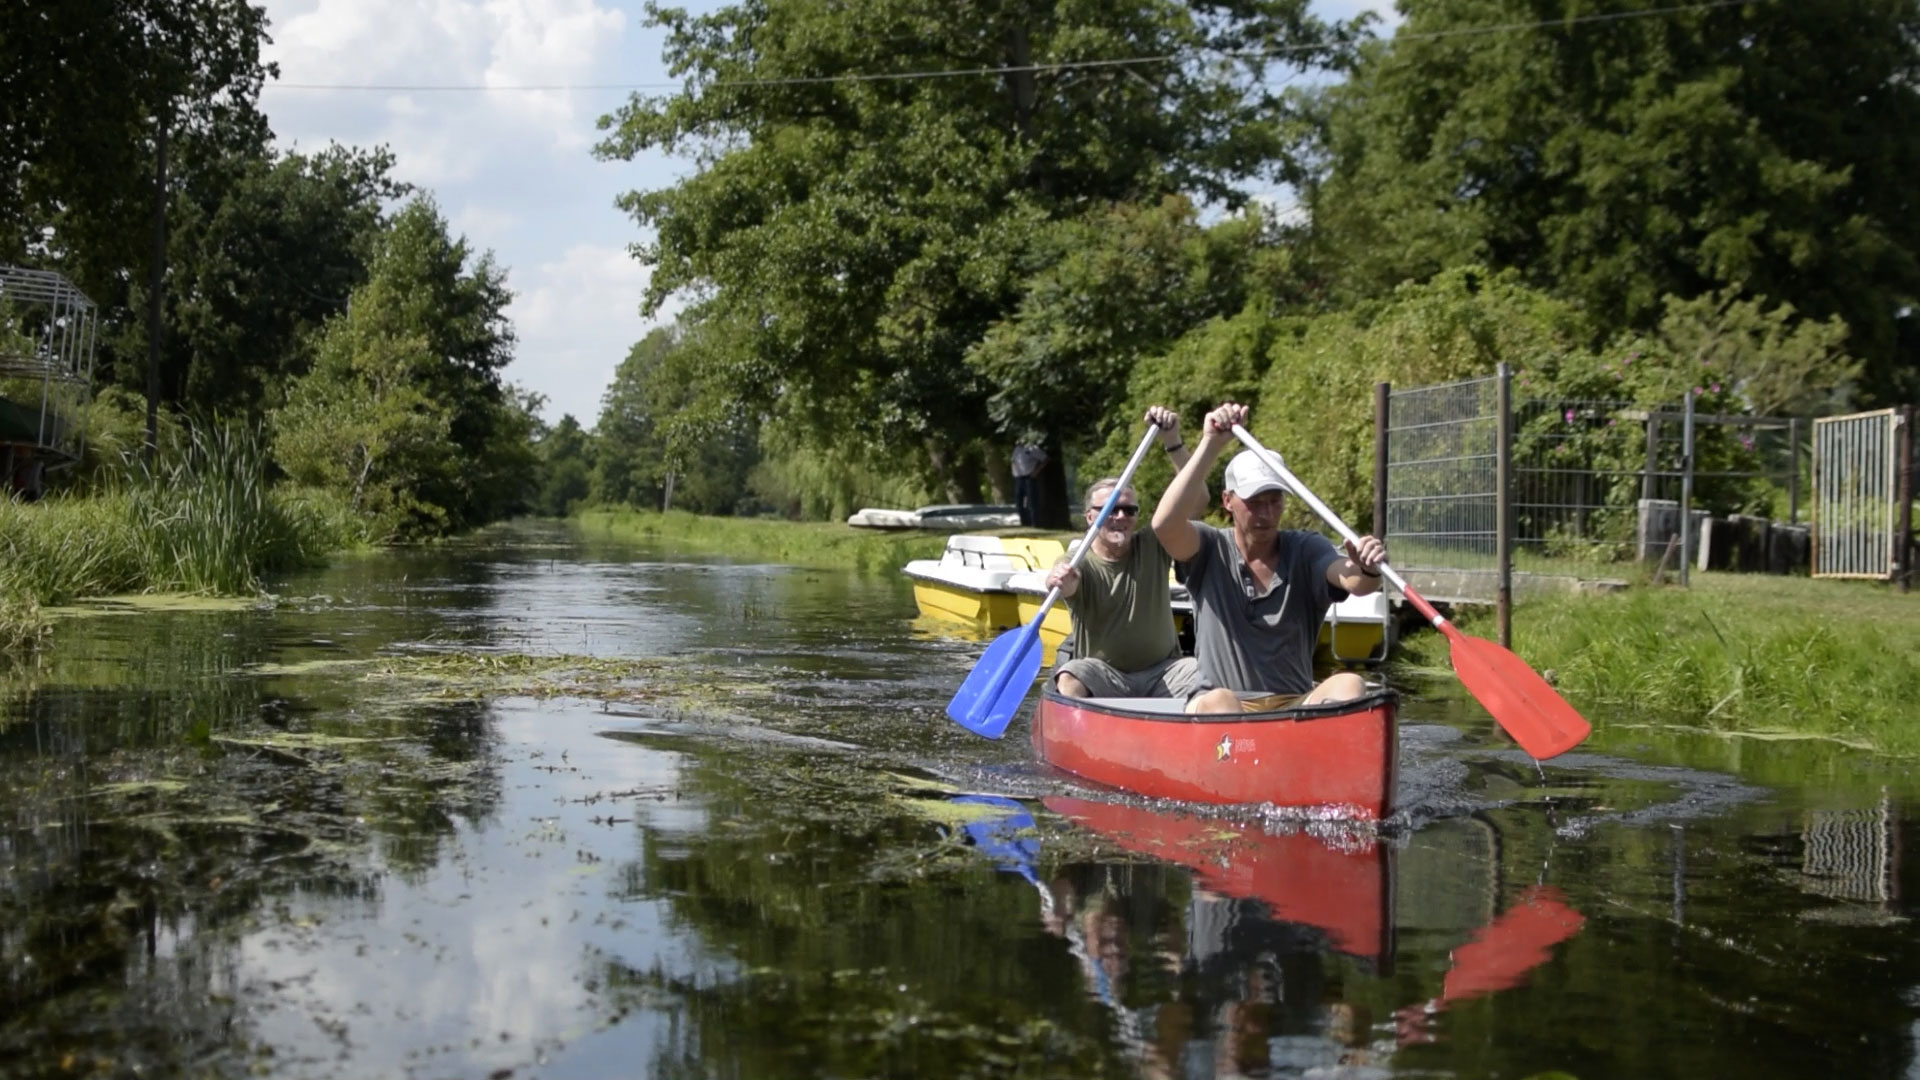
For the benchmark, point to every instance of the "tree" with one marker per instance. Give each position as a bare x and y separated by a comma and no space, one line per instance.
85,86
404,409
566,468
1113,287
631,466
262,249
869,231
1768,147
669,435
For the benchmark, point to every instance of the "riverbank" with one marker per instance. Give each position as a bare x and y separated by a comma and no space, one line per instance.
204,532
820,544
1759,655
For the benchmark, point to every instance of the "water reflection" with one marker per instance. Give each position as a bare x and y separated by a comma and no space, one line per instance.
228,843
1239,969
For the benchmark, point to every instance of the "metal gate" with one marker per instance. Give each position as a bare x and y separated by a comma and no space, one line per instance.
1856,477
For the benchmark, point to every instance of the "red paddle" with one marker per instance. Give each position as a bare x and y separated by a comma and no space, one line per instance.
1520,701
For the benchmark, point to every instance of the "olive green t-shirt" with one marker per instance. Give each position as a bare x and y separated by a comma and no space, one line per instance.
1122,612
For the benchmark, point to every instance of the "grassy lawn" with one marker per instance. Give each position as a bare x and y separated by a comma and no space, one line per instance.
1738,652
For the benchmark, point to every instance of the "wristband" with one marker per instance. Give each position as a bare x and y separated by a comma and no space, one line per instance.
1175,446
1370,573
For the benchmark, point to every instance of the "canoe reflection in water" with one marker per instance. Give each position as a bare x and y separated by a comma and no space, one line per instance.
1239,950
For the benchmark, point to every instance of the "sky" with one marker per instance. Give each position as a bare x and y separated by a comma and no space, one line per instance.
511,169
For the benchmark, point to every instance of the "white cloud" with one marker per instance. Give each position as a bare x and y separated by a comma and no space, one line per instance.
510,167
576,317
441,136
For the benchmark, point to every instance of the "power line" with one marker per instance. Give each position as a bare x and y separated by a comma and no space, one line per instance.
1017,69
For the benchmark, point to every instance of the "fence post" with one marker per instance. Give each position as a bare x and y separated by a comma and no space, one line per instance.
1503,505
1793,470
1903,514
1686,492
1382,396
1647,488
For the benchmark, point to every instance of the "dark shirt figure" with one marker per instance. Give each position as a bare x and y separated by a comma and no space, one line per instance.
1027,460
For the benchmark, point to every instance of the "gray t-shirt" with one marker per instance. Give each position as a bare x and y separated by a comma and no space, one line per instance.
1252,640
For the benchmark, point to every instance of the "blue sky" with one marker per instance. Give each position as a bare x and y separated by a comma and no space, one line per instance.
511,169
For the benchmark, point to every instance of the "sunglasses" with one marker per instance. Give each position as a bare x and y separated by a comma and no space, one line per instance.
1128,509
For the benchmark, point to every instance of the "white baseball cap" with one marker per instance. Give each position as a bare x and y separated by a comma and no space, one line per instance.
1248,475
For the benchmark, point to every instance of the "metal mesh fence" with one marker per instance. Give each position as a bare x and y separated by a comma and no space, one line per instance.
1442,489
1590,482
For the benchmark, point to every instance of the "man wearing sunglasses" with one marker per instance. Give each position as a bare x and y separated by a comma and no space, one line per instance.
1259,591
1123,638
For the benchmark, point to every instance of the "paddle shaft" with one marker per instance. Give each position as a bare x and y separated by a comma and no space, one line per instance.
1086,542
1279,467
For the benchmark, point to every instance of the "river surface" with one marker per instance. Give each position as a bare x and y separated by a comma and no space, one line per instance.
532,806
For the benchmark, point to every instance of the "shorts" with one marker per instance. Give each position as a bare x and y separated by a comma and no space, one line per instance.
1252,701
1176,678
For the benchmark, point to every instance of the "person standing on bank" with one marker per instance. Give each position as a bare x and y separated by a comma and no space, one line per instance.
1259,592
1027,459
1123,638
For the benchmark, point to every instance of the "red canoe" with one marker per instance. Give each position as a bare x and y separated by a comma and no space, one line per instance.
1340,756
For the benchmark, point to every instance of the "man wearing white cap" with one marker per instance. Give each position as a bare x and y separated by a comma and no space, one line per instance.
1259,592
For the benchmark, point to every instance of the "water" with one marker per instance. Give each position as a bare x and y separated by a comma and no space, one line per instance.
379,828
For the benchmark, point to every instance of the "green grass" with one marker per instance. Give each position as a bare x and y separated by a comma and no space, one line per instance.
205,524
1736,652
824,545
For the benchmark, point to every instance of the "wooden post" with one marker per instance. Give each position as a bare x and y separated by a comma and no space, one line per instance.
1503,503
1382,398
1903,514
1686,490
1660,572
1793,471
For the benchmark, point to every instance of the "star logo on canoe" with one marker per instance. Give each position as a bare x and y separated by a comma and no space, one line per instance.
1224,751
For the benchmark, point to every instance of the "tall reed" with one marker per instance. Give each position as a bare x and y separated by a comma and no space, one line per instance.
204,521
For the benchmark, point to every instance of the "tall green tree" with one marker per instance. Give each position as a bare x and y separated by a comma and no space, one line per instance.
404,409
1621,151
668,435
566,468
85,87
262,249
870,228
1112,288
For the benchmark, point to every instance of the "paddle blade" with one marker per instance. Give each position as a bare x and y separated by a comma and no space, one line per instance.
986,702
1503,951
1521,702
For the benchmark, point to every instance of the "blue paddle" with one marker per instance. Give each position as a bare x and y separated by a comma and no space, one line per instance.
1007,837
996,686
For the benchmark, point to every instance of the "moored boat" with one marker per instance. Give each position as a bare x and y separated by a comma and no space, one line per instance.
1358,629
1340,755
948,518
968,583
